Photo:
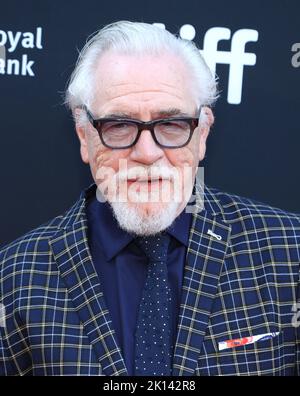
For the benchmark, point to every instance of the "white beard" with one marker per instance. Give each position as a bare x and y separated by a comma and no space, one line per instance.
138,210
133,220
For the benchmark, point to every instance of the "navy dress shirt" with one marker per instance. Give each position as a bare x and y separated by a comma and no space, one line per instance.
122,267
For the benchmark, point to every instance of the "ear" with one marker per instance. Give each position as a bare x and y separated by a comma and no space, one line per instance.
82,136
205,125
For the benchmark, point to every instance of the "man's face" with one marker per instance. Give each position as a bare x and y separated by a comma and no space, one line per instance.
144,88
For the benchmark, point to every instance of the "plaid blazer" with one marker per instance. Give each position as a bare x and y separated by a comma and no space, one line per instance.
241,283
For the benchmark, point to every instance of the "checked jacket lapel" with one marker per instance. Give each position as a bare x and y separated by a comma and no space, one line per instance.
204,261
71,252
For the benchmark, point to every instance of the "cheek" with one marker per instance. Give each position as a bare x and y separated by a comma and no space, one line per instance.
103,160
186,156
186,161
105,157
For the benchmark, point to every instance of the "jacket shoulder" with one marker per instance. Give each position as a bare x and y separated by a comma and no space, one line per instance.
33,240
37,240
238,207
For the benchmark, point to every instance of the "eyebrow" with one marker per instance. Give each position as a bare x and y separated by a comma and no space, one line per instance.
171,112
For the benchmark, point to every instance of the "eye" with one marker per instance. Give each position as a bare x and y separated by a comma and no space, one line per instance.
119,127
173,126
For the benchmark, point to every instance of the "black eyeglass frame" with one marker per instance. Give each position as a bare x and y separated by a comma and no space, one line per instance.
193,122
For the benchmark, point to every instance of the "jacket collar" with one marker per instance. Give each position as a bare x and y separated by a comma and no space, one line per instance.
208,242
72,254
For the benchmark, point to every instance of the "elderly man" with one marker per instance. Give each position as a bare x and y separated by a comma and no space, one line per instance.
150,272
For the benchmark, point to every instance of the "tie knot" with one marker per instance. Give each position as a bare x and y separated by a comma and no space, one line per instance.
154,247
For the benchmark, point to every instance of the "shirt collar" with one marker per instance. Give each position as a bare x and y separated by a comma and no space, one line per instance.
180,229
105,230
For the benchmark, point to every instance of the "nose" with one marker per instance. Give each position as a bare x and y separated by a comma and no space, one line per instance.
146,151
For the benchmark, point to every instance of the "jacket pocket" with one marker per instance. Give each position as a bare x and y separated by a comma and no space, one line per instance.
262,357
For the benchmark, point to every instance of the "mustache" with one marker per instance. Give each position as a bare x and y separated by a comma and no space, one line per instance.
140,173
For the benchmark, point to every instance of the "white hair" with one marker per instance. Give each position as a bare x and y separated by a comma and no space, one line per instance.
136,38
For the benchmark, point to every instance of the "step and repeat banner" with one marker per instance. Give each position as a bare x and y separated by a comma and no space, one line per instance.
253,148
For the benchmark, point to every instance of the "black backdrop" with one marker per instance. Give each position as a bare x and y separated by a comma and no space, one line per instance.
253,149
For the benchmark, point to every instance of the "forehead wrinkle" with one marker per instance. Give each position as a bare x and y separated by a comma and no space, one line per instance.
132,88
126,83
140,88
160,113
128,94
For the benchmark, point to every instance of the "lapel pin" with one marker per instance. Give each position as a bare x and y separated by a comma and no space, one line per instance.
218,237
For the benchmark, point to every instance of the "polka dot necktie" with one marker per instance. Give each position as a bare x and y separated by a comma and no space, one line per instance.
152,353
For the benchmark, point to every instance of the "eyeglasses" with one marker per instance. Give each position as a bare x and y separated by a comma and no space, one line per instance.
122,133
